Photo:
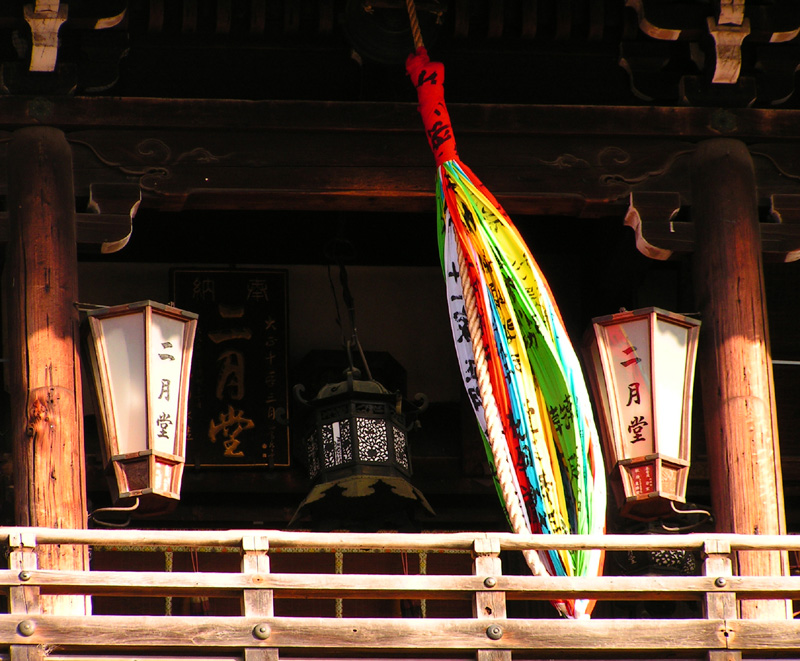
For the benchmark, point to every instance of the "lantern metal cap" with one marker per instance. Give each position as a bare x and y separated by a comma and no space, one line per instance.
352,383
117,309
624,313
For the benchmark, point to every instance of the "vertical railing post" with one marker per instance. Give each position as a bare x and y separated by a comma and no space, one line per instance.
721,605
257,602
23,599
489,604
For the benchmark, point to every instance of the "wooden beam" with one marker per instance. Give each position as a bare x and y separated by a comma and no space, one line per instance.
73,114
163,131
642,636
366,586
284,539
544,160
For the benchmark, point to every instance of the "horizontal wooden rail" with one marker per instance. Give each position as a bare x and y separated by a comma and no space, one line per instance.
279,539
259,633
645,636
372,634
366,586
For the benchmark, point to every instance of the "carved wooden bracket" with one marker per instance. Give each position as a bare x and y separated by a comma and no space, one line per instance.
114,206
651,29
719,75
45,20
731,12
728,40
109,221
653,216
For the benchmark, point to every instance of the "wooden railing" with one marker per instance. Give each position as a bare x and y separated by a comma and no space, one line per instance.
256,632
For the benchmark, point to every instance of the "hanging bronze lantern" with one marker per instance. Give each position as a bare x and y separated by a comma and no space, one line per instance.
357,443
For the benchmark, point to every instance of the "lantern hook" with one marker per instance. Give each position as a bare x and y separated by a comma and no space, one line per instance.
708,517
421,401
109,524
299,390
352,342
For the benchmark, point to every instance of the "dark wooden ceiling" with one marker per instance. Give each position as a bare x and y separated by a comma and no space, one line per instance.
599,52
304,105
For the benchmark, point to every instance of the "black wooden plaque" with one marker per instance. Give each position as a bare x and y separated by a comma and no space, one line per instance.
238,393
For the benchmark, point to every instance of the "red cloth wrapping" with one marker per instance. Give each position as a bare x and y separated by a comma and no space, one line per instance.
428,78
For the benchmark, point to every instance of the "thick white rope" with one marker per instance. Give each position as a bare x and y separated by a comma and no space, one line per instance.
494,426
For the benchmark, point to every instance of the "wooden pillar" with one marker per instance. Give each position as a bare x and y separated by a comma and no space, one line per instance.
734,359
41,283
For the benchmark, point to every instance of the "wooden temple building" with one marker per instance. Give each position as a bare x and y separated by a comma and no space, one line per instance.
647,151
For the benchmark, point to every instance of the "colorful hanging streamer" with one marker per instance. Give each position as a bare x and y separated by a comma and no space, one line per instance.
517,363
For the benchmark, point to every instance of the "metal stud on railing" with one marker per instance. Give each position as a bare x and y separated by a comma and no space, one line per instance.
27,627
495,632
262,631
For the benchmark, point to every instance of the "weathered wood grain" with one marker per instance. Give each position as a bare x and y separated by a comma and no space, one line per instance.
724,655
255,568
489,605
260,637
257,603
23,597
41,284
734,358
538,160
24,600
717,562
331,542
394,586
26,653
108,632
71,113
783,635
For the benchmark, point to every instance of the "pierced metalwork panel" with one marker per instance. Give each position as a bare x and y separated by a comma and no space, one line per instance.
372,445
400,447
313,457
337,445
